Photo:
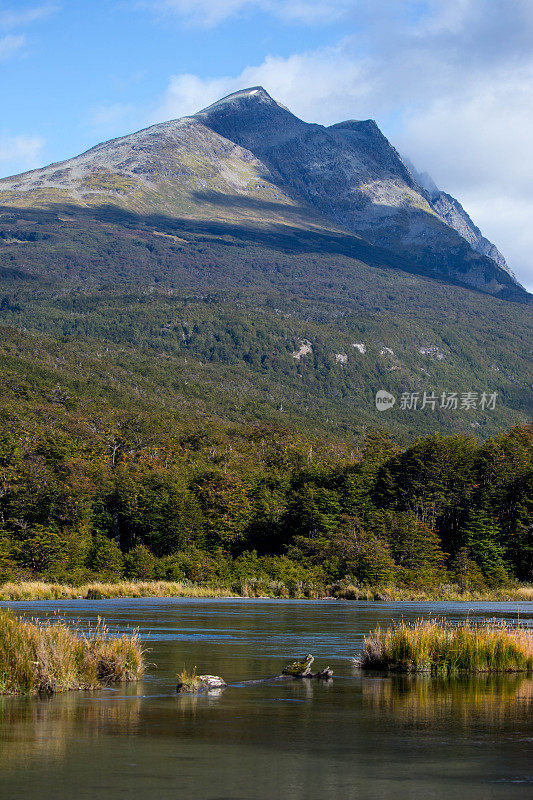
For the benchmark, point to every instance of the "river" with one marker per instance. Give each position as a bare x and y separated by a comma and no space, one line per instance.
359,737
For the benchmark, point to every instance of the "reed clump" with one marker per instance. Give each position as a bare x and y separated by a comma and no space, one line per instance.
48,657
439,648
188,680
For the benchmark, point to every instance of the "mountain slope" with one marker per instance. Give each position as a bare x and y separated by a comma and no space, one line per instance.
183,268
247,158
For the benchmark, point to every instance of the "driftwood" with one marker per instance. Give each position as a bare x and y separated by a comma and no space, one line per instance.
323,674
302,669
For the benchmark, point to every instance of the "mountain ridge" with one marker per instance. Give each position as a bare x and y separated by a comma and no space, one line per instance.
343,177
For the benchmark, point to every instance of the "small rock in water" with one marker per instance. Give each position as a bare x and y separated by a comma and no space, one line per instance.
201,683
212,681
324,674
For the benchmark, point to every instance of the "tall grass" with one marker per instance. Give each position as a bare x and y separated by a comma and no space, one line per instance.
50,657
251,587
188,680
36,590
444,592
436,647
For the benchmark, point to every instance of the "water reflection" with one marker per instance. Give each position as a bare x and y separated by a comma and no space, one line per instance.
41,729
486,699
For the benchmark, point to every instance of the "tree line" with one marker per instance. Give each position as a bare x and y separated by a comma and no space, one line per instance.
141,498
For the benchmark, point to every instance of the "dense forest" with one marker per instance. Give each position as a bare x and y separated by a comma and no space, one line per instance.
132,494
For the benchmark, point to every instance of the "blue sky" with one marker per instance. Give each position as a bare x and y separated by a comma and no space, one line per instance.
450,83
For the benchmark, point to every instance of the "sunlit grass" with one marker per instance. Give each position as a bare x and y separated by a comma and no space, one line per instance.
188,681
252,587
37,590
49,657
436,647
445,592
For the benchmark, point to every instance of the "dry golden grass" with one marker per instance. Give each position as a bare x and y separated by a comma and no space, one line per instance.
36,590
39,590
436,647
50,657
188,680
442,593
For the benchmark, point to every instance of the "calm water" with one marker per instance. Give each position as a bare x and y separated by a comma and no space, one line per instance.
360,736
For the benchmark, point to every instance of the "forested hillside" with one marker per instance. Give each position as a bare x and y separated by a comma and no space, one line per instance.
221,313
99,478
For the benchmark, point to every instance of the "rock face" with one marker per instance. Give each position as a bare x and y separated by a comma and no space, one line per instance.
248,159
453,213
354,176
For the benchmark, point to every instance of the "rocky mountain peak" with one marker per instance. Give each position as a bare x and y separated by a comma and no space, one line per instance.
236,100
252,119
248,157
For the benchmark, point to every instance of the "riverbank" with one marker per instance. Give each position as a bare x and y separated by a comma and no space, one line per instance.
38,590
48,657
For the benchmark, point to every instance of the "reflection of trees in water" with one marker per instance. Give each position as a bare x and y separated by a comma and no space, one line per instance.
42,728
480,698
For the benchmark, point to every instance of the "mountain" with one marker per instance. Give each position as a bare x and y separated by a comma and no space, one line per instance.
246,157
245,264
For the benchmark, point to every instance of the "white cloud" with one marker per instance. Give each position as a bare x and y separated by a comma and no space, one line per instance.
20,153
213,12
12,19
9,45
318,86
506,220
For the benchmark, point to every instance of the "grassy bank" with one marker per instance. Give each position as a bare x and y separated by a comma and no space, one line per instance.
435,647
48,657
447,592
40,590
37,590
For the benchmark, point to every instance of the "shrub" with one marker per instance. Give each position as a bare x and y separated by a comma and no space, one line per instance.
105,557
139,563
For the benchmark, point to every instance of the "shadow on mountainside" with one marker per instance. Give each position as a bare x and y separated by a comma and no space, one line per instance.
109,242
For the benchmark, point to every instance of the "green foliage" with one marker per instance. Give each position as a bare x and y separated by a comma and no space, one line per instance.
466,572
139,563
42,547
8,567
105,557
98,489
483,539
